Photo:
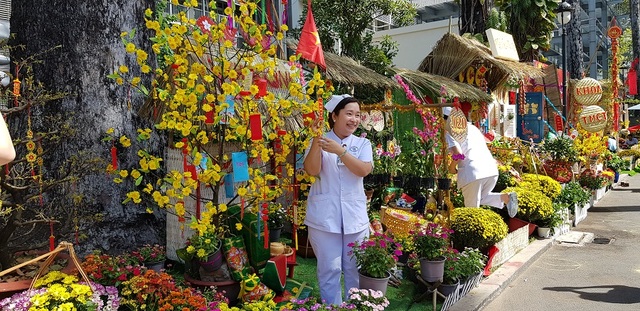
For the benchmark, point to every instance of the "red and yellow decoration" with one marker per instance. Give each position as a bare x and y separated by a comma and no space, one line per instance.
614,33
593,118
587,91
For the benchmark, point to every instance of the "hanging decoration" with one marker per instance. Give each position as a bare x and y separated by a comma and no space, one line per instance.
587,91
593,118
365,120
377,120
255,124
457,123
614,33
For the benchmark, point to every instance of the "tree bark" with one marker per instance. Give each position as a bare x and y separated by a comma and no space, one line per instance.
574,48
88,33
473,16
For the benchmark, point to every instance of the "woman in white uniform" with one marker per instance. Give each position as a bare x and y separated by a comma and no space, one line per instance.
478,171
7,151
337,204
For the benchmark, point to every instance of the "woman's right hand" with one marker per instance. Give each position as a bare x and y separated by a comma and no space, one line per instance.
317,128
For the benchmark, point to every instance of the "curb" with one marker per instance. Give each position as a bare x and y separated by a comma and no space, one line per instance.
493,285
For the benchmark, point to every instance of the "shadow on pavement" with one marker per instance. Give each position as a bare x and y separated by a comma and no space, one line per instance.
616,294
609,209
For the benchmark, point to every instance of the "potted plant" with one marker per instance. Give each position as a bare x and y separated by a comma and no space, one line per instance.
574,196
617,164
471,262
452,272
204,245
560,150
151,256
109,270
533,205
541,183
431,241
507,177
547,225
375,257
476,228
276,220
592,179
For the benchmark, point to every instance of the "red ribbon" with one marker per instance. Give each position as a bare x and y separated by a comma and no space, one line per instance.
52,239
198,197
265,218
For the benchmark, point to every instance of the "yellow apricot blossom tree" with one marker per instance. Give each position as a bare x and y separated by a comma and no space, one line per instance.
217,100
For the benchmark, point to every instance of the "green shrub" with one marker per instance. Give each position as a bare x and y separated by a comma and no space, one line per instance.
532,205
544,184
476,228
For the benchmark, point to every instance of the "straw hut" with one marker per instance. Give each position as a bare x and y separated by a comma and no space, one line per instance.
428,85
453,55
344,70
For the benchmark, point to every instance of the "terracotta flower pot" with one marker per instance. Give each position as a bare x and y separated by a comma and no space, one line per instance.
230,288
515,224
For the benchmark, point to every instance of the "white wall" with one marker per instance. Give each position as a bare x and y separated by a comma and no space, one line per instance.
415,42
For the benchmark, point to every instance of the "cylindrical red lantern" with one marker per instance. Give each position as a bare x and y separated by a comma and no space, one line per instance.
255,124
262,87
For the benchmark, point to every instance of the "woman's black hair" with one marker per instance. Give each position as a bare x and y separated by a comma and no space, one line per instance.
340,106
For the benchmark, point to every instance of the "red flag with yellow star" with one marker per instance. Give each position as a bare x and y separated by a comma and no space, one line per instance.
309,45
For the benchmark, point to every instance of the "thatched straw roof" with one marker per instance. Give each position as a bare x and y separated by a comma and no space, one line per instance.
453,54
425,84
342,69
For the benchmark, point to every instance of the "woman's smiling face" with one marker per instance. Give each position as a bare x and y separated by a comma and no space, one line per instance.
346,121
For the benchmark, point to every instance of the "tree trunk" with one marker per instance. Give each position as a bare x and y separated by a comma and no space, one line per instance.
574,45
634,12
473,16
88,33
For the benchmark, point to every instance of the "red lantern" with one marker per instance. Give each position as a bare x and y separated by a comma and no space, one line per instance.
262,87
255,124
559,125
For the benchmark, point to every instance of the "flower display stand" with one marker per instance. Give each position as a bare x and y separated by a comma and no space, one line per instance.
565,226
597,195
580,213
464,287
510,245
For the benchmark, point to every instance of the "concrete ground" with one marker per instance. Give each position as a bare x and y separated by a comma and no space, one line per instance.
596,266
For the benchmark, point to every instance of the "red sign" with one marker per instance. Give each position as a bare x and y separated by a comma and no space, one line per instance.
559,125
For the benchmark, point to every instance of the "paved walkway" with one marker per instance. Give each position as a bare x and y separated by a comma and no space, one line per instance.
552,275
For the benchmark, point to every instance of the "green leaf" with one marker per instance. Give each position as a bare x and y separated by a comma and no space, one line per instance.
144,90
138,181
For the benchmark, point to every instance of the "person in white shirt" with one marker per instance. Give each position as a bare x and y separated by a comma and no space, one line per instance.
477,171
337,204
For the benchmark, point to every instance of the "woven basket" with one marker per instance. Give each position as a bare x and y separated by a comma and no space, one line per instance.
399,222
